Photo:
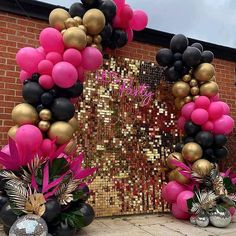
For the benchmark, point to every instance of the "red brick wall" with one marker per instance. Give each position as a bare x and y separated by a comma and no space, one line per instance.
17,32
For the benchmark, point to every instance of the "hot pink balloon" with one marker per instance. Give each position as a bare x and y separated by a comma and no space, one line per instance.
91,58
120,4
81,74
45,67
47,147
126,13
182,200
72,56
178,213
199,116
208,126
54,57
130,34
28,59
51,40
116,22
64,74
187,110
42,51
223,125
202,102
46,81
216,98
6,149
215,110
24,75
139,20
181,122
225,107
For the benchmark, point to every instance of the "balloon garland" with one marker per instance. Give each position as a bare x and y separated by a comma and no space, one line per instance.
197,190
44,187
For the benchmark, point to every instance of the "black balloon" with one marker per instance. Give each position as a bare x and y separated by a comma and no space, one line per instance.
208,153
47,99
108,8
87,212
221,153
90,3
7,216
40,108
197,45
179,147
75,91
26,81
191,129
62,109
207,56
177,56
204,139
178,43
55,91
107,32
178,65
192,56
53,209
188,139
35,77
32,93
220,140
3,201
120,38
172,74
77,9
164,57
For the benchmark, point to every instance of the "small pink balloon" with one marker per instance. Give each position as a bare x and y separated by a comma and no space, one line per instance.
208,126
223,125
130,34
81,74
64,74
24,75
120,4
139,20
51,40
47,147
42,51
45,67
178,213
199,116
182,200
6,149
72,56
216,98
116,22
91,58
54,57
187,110
202,102
46,81
126,13
225,107
215,110
181,122
232,211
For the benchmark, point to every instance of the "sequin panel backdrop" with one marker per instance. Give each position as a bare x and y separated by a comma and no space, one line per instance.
126,140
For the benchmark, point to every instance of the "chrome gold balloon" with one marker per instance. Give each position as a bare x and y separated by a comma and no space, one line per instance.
57,18
195,91
78,20
193,82
195,97
179,102
44,125
74,123
45,114
89,40
188,99
186,78
202,167
70,22
204,72
209,89
175,175
181,89
174,156
97,39
192,151
82,27
12,131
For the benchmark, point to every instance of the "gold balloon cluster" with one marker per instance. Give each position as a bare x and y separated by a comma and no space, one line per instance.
197,82
77,32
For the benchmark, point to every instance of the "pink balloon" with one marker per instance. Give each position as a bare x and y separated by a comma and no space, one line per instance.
116,22
28,59
42,51
91,58
225,107
51,40
46,81
64,74
172,190
187,110
81,74
139,20
45,67
29,137
178,213
130,34
215,110
24,75
181,122
223,125
47,147
72,56
54,57
6,149
202,102
126,13
182,200
208,126
216,98
199,116
120,4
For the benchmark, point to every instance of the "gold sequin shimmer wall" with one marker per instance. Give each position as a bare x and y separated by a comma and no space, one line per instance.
126,138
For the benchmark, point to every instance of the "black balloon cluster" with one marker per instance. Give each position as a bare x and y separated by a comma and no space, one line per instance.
181,57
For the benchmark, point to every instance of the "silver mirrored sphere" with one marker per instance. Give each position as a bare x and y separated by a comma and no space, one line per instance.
220,217
202,220
193,220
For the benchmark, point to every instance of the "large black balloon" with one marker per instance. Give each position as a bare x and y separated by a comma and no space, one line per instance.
191,129
106,32
164,57
204,139
53,209
108,8
221,153
7,216
178,65
220,140
179,147
90,3
75,91
188,139
177,56
77,9
47,99
197,45
87,212
32,92
62,109
208,153
192,56
120,38
178,43
207,56
172,74
3,201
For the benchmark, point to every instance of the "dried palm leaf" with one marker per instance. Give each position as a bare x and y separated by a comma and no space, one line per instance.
26,176
8,175
35,204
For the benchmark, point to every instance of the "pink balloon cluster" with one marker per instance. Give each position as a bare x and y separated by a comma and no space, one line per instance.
211,114
57,65
128,19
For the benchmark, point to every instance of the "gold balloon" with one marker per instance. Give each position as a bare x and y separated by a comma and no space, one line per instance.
192,151
193,82
45,114
181,89
63,31
175,175
44,125
202,167
186,78
23,114
12,131
195,91
70,22
195,97
82,27
97,39
179,102
70,147
74,37
98,46
57,18
61,131
209,89
89,40
74,123
94,21
174,156
204,72
188,99
78,20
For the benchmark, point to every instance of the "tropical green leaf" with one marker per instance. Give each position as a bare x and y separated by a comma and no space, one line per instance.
78,195
74,219
59,166
190,203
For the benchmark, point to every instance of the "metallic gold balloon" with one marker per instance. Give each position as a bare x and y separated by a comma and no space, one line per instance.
179,102
186,78
175,175
209,89
78,20
202,167
44,125
74,123
192,151
12,131
94,21
89,40
193,82
82,27
63,31
70,22
188,99
174,156
74,37
97,39
70,147
195,91
45,114
61,131
181,89
204,72
57,18
23,114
